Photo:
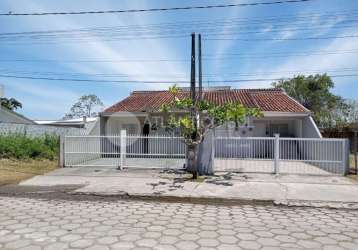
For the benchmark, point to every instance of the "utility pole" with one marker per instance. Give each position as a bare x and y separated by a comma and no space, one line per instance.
192,69
192,154
200,72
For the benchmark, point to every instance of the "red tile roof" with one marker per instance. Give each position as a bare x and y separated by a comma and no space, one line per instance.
274,100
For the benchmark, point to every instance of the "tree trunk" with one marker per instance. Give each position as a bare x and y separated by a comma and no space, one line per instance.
192,160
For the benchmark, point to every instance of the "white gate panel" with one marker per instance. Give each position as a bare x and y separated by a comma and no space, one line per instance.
314,156
139,151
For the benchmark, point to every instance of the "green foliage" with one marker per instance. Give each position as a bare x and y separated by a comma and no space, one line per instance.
20,146
197,118
314,93
11,103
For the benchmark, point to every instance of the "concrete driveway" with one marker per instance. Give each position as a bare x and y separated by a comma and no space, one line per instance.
230,186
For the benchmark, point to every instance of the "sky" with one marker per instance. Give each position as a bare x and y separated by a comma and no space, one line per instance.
258,43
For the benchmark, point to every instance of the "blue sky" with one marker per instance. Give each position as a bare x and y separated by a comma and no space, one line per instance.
230,59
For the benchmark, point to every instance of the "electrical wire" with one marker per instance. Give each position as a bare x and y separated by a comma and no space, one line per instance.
282,39
208,57
51,73
154,9
302,18
155,81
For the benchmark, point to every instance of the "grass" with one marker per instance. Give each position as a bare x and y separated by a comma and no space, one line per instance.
13,171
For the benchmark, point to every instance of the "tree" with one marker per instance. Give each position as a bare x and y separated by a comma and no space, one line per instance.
87,105
11,103
195,119
314,93
346,113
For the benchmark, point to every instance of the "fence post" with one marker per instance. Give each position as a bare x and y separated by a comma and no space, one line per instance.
355,151
213,152
61,153
123,148
346,151
277,154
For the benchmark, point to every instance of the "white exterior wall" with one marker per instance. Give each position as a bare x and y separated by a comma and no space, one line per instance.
261,126
309,128
132,124
301,127
114,125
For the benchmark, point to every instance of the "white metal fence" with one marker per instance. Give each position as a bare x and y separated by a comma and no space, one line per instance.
281,155
240,154
133,151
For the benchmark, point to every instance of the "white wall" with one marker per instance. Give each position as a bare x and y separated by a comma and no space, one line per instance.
309,128
114,125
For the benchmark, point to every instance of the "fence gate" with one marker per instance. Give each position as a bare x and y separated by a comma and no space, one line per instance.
254,154
281,155
129,151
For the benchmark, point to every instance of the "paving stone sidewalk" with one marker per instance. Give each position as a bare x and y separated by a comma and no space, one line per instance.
109,223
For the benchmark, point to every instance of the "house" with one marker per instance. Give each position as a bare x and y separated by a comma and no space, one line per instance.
140,113
9,116
251,148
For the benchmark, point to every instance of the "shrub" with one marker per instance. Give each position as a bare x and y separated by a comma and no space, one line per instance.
21,146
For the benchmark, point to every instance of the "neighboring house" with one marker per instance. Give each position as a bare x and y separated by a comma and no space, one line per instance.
9,116
140,113
87,125
74,123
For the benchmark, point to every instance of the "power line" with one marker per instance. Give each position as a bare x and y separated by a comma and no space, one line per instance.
277,55
282,39
208,57
133,37
336,70
114,36
88,80
156,30
207,22
154,9
154,81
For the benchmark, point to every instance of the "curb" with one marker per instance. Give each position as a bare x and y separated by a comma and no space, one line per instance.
317,204
69,193
228,201
178,199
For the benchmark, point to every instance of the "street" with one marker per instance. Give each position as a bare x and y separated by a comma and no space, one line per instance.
109,223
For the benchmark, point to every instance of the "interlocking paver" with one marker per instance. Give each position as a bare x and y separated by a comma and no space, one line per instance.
27,223
82,243
187,245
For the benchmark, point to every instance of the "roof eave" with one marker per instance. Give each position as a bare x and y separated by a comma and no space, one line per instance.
285,114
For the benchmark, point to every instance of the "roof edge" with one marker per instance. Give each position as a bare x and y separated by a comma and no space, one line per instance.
209,90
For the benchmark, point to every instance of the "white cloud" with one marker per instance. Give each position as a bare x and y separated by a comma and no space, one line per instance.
97,48
305,65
